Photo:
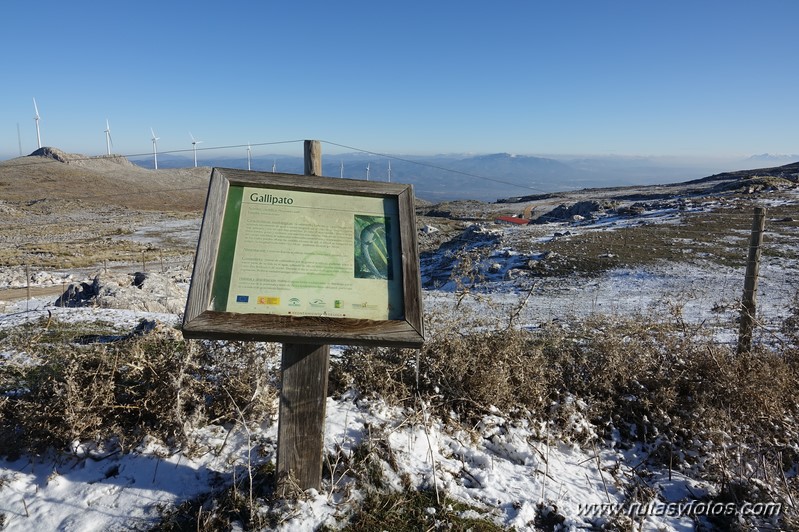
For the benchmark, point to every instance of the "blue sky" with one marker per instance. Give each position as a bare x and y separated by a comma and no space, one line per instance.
683,78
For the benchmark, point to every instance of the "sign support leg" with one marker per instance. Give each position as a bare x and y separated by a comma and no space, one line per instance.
301,422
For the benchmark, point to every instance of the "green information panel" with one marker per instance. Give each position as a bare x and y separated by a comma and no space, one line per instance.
300,253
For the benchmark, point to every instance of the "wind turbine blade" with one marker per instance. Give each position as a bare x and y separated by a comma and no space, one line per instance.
36,108
193,141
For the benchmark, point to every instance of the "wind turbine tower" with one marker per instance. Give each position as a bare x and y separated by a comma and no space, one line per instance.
36,119
194,143
341,170
249,157
367,171
155,149
389,171
108,141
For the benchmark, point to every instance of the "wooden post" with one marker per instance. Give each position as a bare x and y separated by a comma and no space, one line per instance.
749,300
313,158
28,285
301,422
303,394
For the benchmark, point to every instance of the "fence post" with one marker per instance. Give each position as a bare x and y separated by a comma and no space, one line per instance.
303,394
749,300
28,286
313,157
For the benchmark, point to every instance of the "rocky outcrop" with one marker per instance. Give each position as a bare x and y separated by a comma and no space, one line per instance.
52,153
144,291
581,209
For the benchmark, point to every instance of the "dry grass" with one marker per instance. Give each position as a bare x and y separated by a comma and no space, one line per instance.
658,383
686,401
79,384
720,237
77,214
102,181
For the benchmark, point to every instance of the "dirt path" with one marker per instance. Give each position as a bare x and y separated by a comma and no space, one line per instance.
14,294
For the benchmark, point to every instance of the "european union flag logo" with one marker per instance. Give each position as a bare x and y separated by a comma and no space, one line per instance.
242,299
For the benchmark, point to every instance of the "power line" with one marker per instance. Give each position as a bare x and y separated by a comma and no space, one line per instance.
353,148
356,149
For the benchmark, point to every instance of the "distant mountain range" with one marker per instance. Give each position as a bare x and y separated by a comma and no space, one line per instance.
773,158
484,177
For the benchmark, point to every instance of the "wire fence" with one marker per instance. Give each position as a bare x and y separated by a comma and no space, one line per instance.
676,270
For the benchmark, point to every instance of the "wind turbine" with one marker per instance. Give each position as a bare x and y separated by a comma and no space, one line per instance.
36,118
155,149
341,170
194,143
389,171
367,171
108,141
249,157
274,165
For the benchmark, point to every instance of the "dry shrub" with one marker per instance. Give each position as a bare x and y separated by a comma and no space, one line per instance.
666,385
684,400
122,388
656,381
465,374
385,372
471,373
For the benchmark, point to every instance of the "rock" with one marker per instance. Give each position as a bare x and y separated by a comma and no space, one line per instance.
581,209
79,294
139,278
52,153
636,209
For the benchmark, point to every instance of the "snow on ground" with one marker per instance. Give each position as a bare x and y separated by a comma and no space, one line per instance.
506,468
16,278
85,493
503,468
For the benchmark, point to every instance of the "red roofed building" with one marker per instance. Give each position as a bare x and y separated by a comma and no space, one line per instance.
513,220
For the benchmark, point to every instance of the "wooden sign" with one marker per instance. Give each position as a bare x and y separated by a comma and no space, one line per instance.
306,259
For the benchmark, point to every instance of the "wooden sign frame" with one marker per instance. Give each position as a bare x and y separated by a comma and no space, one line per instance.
404,329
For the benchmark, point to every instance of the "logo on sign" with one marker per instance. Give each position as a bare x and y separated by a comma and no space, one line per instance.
242,299
268,300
